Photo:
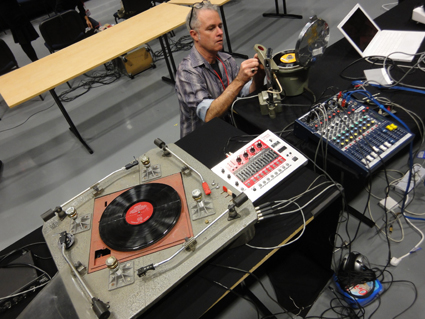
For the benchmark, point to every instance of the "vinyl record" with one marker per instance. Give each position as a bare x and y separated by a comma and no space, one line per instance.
285,59
140,217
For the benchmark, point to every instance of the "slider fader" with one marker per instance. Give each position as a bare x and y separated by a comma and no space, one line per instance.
354,133
260,165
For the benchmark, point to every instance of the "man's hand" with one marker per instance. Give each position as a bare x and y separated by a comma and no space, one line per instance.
258,76
248,69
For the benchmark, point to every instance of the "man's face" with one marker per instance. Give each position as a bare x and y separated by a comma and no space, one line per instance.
210,34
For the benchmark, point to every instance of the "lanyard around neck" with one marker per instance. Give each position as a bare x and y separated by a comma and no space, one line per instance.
225,71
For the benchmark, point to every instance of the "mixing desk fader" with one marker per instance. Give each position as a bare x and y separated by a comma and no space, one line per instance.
260,165
359,136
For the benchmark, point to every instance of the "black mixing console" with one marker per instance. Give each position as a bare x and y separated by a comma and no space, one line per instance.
359,136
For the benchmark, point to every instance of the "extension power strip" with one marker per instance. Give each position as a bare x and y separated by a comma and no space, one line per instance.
389,203
418,176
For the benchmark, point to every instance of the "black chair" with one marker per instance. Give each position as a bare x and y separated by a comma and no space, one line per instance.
132,8
7,60
62,30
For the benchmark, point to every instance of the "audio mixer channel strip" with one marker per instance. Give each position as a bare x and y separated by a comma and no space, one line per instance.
360,137
260,165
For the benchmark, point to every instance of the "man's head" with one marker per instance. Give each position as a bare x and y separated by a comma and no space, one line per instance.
205,27
192,20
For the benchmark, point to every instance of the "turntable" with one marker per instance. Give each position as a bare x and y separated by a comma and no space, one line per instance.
288,71
123,243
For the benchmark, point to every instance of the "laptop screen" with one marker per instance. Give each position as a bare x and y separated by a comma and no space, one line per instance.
360,29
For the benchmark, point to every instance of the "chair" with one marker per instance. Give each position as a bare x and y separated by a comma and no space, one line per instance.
62,30
132,8
7,60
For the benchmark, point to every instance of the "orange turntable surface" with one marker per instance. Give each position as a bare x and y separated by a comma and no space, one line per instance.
99,251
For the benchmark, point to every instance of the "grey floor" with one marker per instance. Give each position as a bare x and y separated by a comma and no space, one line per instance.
45,165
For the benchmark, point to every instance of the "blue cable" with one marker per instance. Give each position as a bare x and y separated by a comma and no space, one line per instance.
367,94
416,218
402,88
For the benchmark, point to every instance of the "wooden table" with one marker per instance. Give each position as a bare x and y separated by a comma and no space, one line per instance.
220,4
49,72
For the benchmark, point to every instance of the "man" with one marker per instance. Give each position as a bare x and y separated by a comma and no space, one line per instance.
208,81
22,30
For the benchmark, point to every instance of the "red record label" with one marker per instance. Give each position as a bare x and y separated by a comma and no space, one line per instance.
139,213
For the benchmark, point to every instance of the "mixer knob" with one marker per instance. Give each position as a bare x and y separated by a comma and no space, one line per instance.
238,159
245,154
259,145
252,149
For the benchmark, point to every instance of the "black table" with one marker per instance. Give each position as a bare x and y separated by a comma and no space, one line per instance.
326,80
207,144
197,293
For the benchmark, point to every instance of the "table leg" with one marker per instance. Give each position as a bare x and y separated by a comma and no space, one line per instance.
164,78
226,32
69,120
167,44
282,15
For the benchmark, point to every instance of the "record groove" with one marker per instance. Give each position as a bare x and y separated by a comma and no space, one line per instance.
140,216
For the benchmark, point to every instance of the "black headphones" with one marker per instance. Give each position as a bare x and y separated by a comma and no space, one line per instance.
353,270
353,262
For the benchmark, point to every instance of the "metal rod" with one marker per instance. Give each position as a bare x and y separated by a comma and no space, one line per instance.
77,274
91,187
181,160
199,234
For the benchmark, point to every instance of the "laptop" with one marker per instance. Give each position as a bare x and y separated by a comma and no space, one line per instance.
369,40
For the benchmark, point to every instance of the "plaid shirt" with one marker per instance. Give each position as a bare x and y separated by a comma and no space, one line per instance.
197,86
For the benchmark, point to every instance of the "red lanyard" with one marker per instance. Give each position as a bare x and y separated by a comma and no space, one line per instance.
225,71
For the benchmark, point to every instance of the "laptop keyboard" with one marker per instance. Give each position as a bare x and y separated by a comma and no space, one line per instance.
386,43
